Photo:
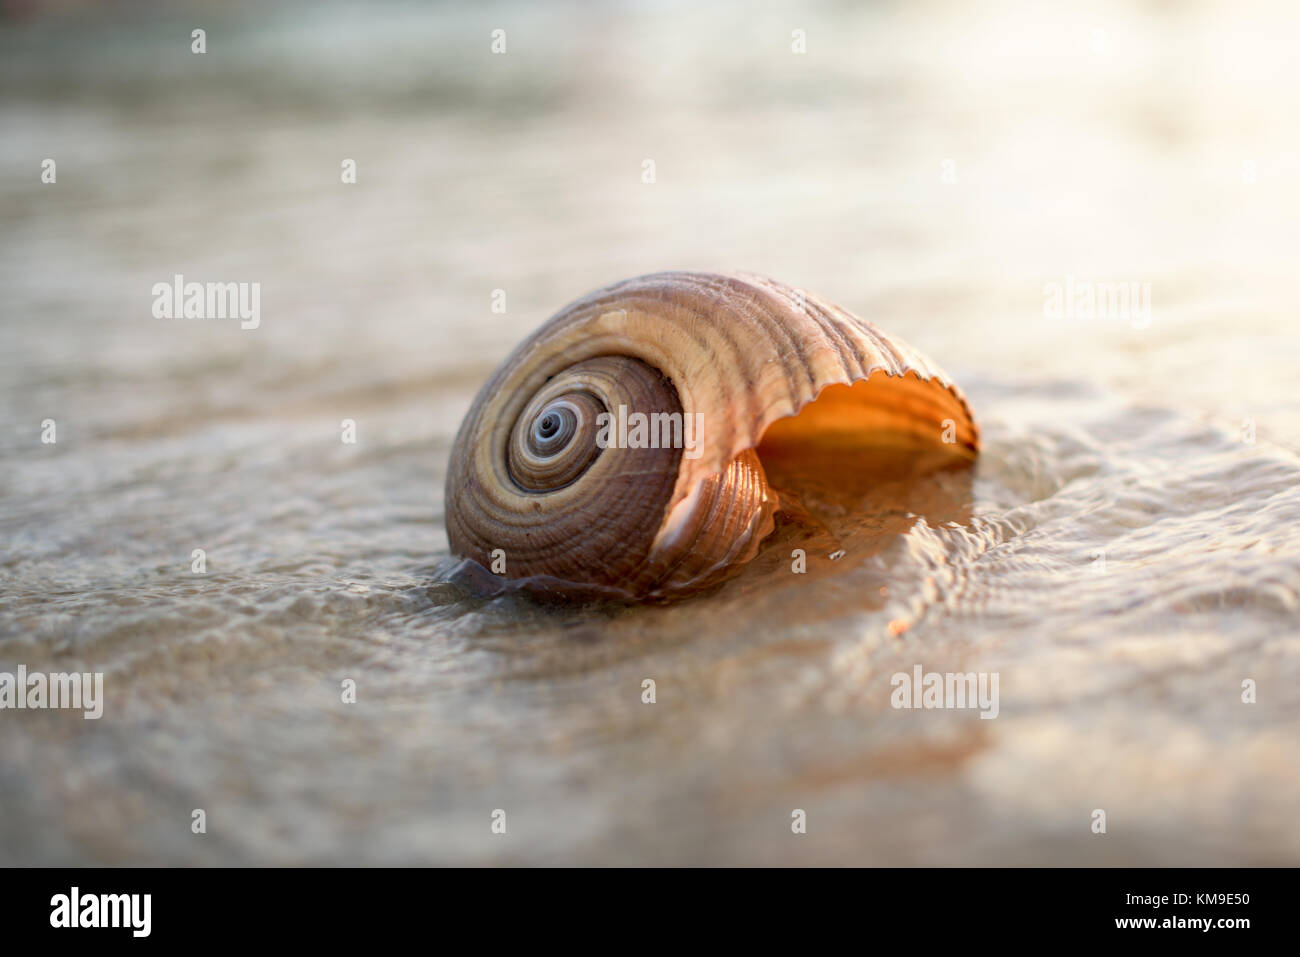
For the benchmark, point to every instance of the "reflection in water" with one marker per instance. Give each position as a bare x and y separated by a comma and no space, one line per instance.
853,504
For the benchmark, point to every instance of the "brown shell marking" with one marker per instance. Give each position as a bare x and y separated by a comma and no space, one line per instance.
770,367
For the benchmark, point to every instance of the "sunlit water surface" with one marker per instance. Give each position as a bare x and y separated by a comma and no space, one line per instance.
1123,557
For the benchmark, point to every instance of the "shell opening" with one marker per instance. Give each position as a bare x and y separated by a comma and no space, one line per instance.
903,412
905,416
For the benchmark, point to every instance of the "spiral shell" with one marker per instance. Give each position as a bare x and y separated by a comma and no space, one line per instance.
755,365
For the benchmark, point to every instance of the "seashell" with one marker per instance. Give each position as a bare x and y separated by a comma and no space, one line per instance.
541,472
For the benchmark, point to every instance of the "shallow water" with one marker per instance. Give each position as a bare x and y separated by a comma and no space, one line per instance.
1121,556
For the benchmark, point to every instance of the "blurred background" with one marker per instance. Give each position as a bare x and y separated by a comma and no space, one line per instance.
931,166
